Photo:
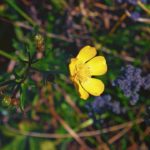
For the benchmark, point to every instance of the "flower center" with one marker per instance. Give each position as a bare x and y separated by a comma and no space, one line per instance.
81,72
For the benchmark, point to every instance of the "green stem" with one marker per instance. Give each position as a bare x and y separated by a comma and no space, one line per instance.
84,125
2,53
21,12
26,73
6,82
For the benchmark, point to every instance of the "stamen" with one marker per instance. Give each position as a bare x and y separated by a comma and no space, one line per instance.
81,73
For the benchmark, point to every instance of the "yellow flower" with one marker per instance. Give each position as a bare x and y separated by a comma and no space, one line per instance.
83,68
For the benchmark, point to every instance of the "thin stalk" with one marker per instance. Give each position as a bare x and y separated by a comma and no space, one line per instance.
6,82
21,12
114,128
140,4
5,54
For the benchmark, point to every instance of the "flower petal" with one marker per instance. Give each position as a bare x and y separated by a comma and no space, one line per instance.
93,86
83,94
86,53
72,65
97,65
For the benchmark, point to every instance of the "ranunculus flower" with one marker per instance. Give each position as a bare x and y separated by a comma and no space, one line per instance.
83,68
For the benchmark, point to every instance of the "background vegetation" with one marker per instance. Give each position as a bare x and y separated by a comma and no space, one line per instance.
39,106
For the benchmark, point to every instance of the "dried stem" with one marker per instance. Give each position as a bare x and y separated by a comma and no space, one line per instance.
69,100
65,125
121,19
80,134
28,27
140,4
119,135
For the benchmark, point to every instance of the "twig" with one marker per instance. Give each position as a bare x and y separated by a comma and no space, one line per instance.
66,126
74,106
119,135
28,27
71,131
140,4
126,129
50,35
80,134
68,99
126,58
105,7
143,20
121,19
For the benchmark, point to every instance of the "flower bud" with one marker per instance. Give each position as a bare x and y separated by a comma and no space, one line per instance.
6,101
39,41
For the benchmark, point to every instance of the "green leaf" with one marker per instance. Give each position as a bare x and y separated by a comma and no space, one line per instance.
42,65
17,144
47,145
23,94
20,11
34,144
38,144
7,132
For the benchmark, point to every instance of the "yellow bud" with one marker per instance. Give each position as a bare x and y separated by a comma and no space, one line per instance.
6,101
39,41
39,38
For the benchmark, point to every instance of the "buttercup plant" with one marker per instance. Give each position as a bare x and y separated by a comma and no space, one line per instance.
83,68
